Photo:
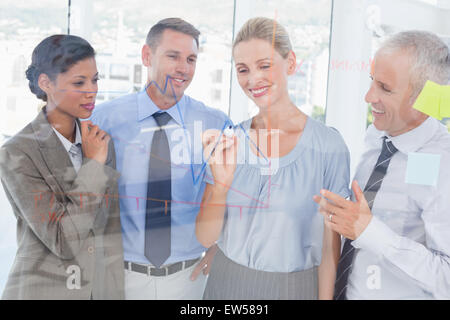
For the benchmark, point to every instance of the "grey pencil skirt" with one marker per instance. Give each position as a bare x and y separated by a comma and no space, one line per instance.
229,280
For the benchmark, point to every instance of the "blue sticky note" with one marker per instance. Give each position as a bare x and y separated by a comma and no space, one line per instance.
423,168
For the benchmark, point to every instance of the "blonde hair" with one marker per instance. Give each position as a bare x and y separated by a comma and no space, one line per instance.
263,28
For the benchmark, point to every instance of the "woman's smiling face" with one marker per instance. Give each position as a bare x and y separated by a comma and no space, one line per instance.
262,72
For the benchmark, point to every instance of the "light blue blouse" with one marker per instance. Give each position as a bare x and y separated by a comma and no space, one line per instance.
271,222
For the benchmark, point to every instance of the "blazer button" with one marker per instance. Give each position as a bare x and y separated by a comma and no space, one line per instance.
91,250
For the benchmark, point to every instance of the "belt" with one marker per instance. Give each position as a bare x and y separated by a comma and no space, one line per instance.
160,272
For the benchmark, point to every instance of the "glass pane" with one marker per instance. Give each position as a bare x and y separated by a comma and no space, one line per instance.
308,25
432,2
383,31
120,31
23,24
446,39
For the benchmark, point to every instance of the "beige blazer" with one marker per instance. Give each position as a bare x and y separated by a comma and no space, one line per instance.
68,224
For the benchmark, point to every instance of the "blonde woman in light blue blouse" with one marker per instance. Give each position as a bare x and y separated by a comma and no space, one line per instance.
271,237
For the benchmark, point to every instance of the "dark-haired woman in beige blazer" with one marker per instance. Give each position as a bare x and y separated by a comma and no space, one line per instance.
59,176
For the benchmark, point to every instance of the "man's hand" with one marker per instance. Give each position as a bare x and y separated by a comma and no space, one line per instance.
346,217
205,263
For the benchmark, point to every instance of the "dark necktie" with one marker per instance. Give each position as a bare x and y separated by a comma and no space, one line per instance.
370,192
159,195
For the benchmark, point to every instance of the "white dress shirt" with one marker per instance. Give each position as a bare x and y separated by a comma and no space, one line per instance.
404,253
73,149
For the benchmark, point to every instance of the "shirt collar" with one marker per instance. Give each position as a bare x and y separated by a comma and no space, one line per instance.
146,108
414,139
66,143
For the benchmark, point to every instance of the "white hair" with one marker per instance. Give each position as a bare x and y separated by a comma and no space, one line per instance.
430,57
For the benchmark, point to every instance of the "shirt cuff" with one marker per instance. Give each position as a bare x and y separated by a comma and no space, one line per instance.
377,237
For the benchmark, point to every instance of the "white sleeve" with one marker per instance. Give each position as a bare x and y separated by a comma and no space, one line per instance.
428,265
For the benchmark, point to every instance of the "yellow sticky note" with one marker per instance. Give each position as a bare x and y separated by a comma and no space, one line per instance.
434,100
428,100
445,102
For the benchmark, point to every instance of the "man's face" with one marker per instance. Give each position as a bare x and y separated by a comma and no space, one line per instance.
173,59
390,94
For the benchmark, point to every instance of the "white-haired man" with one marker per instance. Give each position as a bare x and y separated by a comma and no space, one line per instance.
396,229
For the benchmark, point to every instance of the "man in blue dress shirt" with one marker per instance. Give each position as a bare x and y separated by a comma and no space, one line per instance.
170,55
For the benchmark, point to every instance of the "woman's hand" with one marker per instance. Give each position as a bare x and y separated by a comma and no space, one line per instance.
221,153
94,142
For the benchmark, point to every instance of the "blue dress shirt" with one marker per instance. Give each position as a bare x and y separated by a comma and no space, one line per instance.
131,125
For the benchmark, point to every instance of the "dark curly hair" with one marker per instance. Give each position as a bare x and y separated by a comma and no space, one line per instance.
55,55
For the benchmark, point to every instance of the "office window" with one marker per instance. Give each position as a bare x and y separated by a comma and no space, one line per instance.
23,24
216,94
216,76
11,103
119,71
382,30
361,26
137,75
308,26
119,31
101,67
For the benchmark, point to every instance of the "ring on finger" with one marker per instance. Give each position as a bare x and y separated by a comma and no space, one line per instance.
330,217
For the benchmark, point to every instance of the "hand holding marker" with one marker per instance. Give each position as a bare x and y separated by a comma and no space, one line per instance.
229,131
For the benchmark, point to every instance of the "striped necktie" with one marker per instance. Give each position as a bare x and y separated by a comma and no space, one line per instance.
76,156
370,191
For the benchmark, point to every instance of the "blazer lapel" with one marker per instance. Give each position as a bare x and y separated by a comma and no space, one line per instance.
53,152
